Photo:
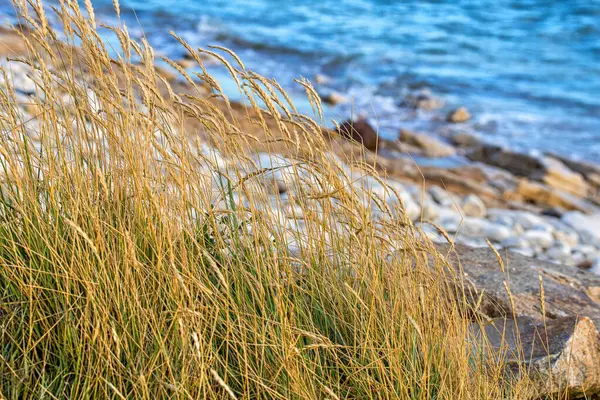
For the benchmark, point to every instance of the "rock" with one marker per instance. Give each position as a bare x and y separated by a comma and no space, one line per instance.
557,175
430,146
517,163
569,238
473,206
588,226
559,251
501,216
586,249
441,196
465,180
187,62
361,132
548,170
476,242
423,100
458,115
433,234
449,224
528,220
515,242
539,237
541,194
557,212
525,251
569,291
281,175
595,268
473,227
560,355
419,194
431,211
525,219
321,79
412,210
333,98
464,139
582,167
496,233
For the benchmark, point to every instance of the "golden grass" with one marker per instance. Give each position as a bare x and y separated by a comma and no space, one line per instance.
125,274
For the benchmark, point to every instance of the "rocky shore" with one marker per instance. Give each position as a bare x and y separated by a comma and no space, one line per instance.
541,213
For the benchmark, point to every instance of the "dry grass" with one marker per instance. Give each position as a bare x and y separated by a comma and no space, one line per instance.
136,262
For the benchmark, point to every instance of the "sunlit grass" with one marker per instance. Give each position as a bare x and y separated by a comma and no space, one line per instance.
145,254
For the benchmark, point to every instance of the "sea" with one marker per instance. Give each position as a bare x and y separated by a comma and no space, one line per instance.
527,70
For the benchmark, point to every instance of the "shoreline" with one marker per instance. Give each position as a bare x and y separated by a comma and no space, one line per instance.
544,207
161,193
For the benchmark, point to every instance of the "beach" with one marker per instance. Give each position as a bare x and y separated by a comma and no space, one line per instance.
353,200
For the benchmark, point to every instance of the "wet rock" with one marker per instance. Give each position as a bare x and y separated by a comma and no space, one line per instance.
430,146
333,98
473,206
321,79
560,355
465,139
423,100
588,226
361,132
458,115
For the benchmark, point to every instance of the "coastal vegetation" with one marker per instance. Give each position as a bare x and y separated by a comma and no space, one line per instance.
160,241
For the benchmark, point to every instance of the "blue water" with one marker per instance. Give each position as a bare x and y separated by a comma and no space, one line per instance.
528,70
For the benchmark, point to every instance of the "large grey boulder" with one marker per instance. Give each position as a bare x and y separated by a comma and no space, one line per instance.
561,355
555,341
569,291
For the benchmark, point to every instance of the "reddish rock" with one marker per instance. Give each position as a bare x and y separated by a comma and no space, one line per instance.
361,132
